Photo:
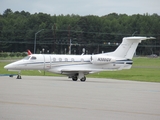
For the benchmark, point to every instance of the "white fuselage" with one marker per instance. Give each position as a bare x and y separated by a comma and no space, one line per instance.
64,64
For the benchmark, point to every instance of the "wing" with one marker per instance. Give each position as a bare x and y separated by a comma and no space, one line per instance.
85,71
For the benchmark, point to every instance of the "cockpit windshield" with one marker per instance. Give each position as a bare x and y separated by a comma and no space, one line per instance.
30,58
26,58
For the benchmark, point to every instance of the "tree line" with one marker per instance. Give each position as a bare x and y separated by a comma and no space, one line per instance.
54,33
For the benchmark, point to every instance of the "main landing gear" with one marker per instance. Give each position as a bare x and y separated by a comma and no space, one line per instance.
75,78
83,79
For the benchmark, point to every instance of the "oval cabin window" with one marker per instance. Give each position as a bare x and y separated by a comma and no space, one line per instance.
60,59
54,59
72,59
66,59
82,60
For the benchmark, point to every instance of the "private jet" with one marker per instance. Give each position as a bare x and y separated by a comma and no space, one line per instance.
78,66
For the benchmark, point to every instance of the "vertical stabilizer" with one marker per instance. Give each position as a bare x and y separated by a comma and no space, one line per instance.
128,47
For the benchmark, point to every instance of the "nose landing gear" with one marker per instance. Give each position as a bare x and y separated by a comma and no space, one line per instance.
19,75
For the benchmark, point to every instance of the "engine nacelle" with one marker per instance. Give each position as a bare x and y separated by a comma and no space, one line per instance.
100,59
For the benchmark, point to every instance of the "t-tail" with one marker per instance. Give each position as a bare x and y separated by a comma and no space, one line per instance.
128,47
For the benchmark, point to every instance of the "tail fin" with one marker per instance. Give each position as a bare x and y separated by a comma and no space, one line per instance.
29,52
128,47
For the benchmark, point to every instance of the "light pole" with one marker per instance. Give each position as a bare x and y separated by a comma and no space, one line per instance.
70,45
83,50
35,40
134,33
43,50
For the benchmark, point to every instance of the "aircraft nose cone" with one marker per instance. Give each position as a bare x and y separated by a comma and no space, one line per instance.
6,67
9,66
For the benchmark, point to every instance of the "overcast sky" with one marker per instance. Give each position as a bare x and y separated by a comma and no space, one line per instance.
82,7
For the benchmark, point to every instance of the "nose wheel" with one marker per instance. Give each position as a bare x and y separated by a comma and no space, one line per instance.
19,75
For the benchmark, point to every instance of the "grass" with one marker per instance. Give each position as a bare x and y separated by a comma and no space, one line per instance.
25,72
136,74
10,58
143,69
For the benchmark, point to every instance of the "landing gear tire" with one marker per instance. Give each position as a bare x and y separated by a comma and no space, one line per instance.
83,79
75,78
19,77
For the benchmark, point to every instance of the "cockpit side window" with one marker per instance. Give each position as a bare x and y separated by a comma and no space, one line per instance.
33,58
26,58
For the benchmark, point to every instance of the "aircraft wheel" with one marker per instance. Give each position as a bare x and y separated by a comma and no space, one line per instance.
19,77
83,79
75,78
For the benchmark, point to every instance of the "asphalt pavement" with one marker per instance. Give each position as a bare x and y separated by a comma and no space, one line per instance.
60,98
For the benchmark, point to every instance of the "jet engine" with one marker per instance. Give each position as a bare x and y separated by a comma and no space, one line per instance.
99,59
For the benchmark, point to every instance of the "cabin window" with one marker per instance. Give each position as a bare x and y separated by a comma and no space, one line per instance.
66,59
72,59
60,59
33,58
54,59
82,60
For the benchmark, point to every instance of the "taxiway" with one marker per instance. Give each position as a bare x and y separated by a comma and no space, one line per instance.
59,98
